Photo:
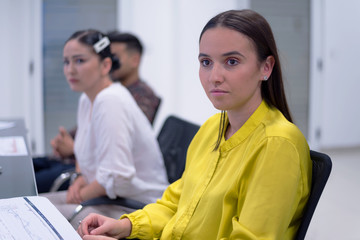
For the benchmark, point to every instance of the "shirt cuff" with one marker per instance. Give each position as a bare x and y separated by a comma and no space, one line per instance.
140,225
107,182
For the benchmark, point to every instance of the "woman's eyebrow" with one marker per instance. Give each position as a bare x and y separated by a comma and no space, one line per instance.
233,53
202,55
78,56
225,54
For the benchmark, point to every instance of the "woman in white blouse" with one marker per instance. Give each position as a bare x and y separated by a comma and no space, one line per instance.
116,149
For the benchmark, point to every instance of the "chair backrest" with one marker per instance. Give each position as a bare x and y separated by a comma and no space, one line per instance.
321,171
174,139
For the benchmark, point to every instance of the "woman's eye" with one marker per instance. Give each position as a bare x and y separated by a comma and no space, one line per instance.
232,61
66,62
205,62
79,60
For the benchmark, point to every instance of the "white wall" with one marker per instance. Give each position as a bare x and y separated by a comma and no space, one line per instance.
334,76
170,32
20,44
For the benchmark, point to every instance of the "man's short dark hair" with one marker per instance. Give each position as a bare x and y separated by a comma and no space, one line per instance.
131,41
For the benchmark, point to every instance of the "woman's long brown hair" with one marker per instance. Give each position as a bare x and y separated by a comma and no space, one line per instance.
256,28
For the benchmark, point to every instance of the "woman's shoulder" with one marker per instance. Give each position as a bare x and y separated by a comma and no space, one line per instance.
113,89
212,121
115,93
276,125
209,128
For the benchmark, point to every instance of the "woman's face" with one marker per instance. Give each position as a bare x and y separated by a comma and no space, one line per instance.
82,67
230,72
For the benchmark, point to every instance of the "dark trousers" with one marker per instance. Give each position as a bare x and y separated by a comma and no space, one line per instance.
47,170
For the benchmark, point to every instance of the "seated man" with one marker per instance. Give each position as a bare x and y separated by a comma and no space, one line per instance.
129,50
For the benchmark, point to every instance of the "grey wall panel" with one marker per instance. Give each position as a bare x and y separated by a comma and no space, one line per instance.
290,22
61,19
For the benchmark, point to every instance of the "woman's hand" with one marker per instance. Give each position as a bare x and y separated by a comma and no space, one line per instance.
73,193
93,237
96,226
63,144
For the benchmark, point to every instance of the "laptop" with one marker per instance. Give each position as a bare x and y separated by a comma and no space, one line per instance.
17,177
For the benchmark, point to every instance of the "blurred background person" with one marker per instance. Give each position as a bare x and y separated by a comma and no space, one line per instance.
117,154
128,49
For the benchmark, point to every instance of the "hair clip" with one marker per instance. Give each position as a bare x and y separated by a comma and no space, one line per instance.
101,44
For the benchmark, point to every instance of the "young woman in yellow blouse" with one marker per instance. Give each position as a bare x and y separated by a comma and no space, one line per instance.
248,177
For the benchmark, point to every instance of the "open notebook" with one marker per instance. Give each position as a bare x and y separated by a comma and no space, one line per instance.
33,217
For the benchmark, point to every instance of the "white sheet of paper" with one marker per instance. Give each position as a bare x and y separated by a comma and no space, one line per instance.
12,146
30,218
6,125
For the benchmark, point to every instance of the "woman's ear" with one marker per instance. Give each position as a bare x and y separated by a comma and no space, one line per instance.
106,66
268,66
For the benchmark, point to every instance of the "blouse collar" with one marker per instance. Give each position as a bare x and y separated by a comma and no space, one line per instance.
249,126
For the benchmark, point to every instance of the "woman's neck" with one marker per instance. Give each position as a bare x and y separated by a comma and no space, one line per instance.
237,118
95,90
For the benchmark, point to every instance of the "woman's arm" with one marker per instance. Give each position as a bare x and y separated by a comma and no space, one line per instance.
73,193
271,201
149,222
92,190
113,145
80,190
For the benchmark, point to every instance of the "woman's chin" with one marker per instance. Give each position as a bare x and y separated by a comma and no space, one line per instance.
75,88
219,107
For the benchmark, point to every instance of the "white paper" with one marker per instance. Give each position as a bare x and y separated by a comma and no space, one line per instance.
33,218
13,146
6,125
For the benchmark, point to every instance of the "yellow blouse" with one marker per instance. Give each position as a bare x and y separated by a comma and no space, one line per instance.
254,187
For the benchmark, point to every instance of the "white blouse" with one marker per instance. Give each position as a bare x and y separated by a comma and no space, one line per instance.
116,145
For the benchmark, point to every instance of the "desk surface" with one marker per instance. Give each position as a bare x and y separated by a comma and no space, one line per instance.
17,176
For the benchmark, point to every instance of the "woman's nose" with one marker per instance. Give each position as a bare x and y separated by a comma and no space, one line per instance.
216,75
70,67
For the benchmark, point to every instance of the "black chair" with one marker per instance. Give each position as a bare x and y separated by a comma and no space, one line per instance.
321,171
174,139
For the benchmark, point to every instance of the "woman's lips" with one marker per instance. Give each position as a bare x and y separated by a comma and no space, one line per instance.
73,80
218,92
